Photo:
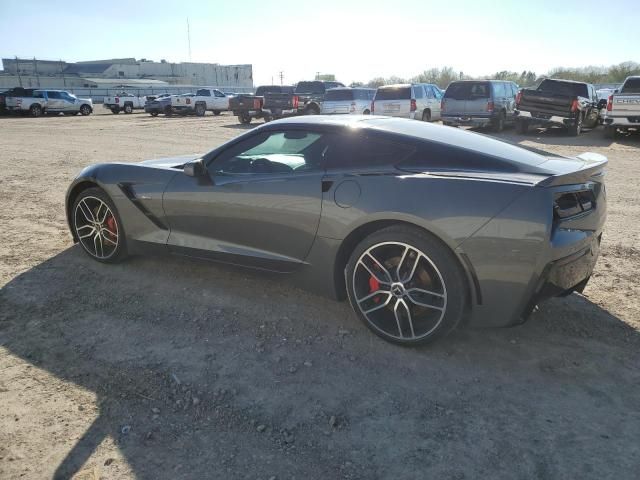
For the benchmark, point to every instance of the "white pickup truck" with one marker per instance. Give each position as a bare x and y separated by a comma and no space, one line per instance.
50,101
210,99
623,108
126,102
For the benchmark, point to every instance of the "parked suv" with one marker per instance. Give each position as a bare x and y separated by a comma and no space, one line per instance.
345,100
418,101
479,103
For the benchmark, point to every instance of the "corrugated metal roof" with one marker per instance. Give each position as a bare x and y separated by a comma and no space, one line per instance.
125,81
87,68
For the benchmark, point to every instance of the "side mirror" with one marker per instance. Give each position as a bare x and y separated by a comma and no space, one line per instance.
195,168
602,104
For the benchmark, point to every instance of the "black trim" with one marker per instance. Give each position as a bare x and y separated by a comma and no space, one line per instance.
474,277
128,191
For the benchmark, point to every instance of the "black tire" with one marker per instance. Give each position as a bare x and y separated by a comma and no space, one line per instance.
244,118
522,126
437,266
119,252
35,110
498,122
128,108
85,110
154,113
366,112
168,111
201,109
610,132
217,112
312,110
426,116
576,128
115,110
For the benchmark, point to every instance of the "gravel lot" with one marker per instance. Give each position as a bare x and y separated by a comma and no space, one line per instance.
165,368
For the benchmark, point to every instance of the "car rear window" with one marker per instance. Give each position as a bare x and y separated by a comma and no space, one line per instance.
558,87
337,95
398,93
468,90
310,87
631,86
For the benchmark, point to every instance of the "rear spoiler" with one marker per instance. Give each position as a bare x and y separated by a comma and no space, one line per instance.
592,169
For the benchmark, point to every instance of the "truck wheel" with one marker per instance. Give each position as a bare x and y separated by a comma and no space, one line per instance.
153,114
168,111
426,116
115,110
128,108
498,123
312,110
576,128
610,132
201,110
216,112
244,119
35,110
522,126
85,110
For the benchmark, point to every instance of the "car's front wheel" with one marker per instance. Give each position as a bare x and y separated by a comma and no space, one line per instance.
98,227
406,286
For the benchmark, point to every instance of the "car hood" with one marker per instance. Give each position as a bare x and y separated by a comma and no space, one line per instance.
171,162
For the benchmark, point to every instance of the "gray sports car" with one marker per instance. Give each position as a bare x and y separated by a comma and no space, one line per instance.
419,225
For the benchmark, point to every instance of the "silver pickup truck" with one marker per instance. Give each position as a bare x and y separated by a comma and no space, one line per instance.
623,108
50,101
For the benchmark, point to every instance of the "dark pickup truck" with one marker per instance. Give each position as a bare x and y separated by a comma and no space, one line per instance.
247,107
562,103
306,99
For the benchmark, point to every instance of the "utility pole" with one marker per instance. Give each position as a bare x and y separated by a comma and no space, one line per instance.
18,70
317,75
281,75
189,38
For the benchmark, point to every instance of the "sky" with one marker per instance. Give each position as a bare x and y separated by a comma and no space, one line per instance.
353,39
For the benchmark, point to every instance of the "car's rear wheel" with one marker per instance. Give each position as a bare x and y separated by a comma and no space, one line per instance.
312,110
115,110
154,113
366,112
426,116
406,286
128,108
201,110
35,110
216,112
98,227
522,126
244,118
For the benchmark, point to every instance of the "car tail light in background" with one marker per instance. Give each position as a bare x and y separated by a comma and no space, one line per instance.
518,98
257,104
490,106
414,107
188,101
296,101
574,106
610,103
353,107
117,100
573,203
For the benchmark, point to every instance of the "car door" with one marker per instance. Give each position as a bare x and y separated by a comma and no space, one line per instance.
434,97
258,204
220,100
54,101
68,103
592,110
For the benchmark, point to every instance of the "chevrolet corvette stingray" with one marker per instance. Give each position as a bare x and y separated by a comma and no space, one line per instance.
420,226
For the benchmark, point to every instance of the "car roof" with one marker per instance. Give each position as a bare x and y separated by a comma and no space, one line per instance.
396,85
424,131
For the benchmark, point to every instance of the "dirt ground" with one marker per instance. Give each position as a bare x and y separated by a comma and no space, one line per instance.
165,368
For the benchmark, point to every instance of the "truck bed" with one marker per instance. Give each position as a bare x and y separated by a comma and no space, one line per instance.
545,103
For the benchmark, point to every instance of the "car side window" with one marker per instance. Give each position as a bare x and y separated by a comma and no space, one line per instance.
498,90
55,95
218,93
273,153
437,93
418,91
352,152
203,93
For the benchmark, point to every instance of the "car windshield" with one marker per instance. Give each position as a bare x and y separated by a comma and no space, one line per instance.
339,94
558,87
310,87
468,90
631,86
394,93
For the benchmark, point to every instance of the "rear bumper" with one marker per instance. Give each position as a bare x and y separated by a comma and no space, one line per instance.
546,120
623,122
277,112
463,120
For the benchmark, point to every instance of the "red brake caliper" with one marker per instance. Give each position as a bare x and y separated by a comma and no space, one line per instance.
374,285
111,224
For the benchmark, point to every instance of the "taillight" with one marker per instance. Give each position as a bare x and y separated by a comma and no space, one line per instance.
117,100
257,103
353,107
574,105
414,107
610,103
518,98
573,203
490,106
296,100
188,101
